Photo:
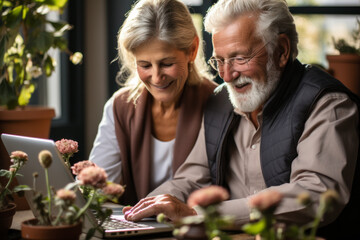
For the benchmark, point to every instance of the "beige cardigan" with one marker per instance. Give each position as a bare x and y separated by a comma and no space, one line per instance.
133,132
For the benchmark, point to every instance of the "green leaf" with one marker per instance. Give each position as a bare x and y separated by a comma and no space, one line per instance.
13,17
40,42
49,66
90,233
21,188
255,228
5,173
60,25
60,42
7,95
54,3
25,94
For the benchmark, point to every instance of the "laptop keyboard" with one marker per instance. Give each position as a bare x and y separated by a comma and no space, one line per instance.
116,223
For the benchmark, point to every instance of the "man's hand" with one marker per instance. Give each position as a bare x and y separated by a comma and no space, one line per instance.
172,207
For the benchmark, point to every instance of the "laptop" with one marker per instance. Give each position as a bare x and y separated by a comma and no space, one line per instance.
60,176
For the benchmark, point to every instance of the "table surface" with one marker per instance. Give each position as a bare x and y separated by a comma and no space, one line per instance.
20,216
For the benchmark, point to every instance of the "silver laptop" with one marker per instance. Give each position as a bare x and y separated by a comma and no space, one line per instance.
60,175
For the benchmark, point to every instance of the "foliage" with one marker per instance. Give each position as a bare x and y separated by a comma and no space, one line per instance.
26,36
59,208
345,47
209,220
266,226
18,159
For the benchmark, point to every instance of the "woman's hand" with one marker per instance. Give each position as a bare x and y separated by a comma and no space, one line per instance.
172,207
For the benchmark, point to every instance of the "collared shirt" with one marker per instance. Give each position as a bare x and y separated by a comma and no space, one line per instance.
327,153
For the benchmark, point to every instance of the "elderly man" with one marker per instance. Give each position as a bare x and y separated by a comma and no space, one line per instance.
287,126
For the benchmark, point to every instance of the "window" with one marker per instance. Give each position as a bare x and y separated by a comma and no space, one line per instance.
318,22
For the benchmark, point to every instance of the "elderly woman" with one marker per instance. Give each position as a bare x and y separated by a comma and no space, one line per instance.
151,124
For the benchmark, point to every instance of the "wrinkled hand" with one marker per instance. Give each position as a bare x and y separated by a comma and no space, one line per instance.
172,207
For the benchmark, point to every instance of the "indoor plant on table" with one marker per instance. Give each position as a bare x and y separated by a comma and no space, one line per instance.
346,65
58,214
27,37
7,206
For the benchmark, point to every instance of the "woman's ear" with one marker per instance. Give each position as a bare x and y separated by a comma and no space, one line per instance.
283,50
194,48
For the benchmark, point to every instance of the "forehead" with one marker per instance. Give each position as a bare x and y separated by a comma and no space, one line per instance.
156,49
237,36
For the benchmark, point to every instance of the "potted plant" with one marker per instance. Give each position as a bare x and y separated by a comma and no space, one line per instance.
7,205
57,214
26,37
346,65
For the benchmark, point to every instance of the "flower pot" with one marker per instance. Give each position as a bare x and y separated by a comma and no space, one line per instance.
30,121
29,230
6,216
346,68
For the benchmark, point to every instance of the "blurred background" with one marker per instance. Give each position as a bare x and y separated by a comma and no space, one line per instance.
79,92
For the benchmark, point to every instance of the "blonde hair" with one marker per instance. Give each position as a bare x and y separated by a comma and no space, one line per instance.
166,20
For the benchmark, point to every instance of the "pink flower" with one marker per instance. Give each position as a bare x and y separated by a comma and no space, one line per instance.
265,200
207,196
67,146
18,156
79,166
113,189
93,176
66,195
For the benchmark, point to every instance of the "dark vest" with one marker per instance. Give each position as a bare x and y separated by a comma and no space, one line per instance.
284,117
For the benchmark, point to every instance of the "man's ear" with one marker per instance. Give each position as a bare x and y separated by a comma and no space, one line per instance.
283,52
194,48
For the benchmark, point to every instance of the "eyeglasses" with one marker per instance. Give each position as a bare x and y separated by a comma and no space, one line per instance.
241,63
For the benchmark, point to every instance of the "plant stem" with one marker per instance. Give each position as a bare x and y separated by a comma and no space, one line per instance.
84,208
58,217
6,189
48,190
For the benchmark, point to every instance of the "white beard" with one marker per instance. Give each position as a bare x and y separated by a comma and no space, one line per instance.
259,92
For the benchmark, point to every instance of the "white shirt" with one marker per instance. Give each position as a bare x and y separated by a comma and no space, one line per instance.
106,152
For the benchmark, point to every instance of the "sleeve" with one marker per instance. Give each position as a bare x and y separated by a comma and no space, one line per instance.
106,152
327,155
191,175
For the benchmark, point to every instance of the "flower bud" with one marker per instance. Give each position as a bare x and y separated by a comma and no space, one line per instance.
76,58
304,198
329,197
45,158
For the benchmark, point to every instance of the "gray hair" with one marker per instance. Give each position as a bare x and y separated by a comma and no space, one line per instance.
166,20
274,18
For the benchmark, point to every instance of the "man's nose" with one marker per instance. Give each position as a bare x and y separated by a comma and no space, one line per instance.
228,72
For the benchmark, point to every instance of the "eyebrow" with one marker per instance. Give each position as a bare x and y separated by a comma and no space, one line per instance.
236,53
163,59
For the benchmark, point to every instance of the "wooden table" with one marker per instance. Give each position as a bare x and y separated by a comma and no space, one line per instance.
20,216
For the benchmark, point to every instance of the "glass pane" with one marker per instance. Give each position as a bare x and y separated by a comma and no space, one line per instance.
323,2
193,2
316,33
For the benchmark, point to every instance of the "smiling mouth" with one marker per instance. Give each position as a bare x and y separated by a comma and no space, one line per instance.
163,86
241,85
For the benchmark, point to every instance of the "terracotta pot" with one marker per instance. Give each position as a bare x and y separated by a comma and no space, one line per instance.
6,217
29,230
346,68
31,121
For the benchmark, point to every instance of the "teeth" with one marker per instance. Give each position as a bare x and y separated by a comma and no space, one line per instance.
162,87
241,85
